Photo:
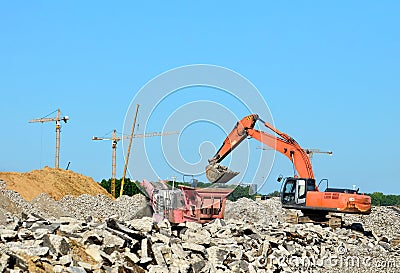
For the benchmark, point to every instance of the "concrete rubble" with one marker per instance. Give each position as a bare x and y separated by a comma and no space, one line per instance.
82,207
252,238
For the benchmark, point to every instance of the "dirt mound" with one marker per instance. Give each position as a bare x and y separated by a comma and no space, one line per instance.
56,183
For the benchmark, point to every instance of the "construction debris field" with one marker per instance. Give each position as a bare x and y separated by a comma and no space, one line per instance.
84,230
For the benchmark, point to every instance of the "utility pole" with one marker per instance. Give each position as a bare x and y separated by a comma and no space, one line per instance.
129,150
58,120
115,139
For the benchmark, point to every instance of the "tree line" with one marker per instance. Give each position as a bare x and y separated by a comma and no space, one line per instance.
380,199
132,188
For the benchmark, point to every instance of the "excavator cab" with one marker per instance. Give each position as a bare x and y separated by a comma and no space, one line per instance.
294,191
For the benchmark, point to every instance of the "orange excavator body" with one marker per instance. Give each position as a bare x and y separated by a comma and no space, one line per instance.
298,192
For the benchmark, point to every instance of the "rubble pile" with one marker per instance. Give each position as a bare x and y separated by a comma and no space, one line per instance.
81,207
384,221
101,206
66,244
98,234
47,207
263,213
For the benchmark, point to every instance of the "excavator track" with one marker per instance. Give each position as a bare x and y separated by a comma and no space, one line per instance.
332,220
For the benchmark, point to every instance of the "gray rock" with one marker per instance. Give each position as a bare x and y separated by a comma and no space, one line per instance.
109,259
183,265
94,252
158,250
36,251
239,266
126,239
27,250
158,269
38,234
131,258
119,226
215,226
248,255
7,235
198,266
25,234
193,226
174,269
385,245
4,262
72,228
144,224
65,220
44,225
19,261
92,237
158,237
76,269
58,268
110,239
144,252
65,260
177,249
194,247
57,244
164,227
199,236
216,256
13,224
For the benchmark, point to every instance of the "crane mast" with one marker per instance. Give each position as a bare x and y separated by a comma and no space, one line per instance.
58,120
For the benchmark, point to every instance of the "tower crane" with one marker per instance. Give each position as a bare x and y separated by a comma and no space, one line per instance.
115,139
58,120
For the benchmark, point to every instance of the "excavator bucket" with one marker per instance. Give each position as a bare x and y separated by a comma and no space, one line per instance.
217,173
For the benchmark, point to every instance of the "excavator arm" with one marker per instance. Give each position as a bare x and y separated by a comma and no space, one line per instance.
236,136
280,142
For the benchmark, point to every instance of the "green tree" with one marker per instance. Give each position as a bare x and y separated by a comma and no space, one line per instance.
130,187
380,199
239,192
274,194
376,198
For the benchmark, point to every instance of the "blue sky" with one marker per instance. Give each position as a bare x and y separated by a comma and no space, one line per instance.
329,71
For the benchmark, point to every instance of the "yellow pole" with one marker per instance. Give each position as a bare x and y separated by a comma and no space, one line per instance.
129,151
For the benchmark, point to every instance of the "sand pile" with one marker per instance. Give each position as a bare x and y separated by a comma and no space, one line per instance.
56,183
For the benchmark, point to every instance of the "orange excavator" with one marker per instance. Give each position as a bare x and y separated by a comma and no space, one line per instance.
299,192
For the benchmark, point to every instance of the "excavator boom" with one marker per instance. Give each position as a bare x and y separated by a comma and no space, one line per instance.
280,142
